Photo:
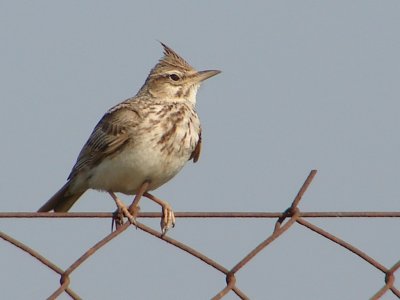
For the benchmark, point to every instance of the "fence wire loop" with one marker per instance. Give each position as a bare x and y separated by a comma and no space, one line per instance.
285,220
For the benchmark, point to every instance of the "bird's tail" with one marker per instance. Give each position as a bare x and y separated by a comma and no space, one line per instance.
62,201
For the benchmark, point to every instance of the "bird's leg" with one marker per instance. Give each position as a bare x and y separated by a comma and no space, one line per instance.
168,217
134,207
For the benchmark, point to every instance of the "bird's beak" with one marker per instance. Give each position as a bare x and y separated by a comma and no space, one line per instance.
203,75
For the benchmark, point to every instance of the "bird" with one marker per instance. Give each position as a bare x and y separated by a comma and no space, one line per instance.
142,142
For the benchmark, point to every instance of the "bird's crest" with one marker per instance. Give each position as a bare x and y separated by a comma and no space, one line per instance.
171,60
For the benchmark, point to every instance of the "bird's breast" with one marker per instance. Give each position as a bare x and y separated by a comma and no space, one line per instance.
158,149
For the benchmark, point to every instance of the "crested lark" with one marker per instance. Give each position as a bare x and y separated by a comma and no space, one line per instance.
143,142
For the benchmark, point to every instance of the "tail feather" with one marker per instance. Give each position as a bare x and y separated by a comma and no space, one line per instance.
62,201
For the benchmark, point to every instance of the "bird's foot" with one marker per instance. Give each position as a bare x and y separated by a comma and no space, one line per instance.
117,219
167,218
122,211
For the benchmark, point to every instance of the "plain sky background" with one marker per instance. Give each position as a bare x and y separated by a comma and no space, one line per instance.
305,84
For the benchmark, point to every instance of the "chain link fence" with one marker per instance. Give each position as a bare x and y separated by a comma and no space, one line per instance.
285,220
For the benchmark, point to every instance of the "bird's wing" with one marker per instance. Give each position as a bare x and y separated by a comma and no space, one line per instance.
108,138
196,152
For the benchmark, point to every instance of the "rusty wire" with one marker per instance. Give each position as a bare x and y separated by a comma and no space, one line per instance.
209,215
284,221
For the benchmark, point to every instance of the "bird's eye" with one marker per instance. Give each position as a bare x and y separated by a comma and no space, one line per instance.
174,77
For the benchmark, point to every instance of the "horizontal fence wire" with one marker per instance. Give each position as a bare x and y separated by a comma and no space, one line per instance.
283,223
210,215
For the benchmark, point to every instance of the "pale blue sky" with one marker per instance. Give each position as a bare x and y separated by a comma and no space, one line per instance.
305,85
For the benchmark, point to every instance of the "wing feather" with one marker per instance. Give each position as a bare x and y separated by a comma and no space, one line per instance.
196,152
108,138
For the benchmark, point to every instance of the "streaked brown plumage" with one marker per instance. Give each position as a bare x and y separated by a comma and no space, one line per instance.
147,138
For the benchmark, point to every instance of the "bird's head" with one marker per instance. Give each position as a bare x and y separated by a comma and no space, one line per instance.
173,79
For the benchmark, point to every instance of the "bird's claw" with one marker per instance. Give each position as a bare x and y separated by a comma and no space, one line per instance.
167,219
117,219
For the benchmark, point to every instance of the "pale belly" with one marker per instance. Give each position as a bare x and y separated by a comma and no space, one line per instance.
128,170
